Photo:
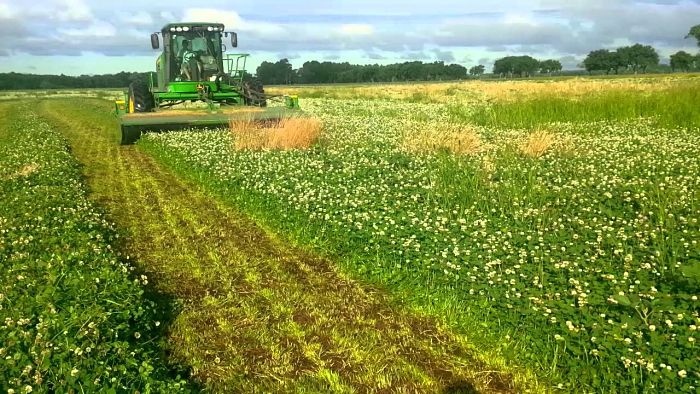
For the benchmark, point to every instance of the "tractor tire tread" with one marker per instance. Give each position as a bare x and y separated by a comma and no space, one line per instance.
142,96
254,93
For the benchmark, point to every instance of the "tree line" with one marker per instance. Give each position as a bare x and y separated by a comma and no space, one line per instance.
524,66
19,81
638,58
282,72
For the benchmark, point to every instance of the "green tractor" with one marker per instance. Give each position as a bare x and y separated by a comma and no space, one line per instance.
193,67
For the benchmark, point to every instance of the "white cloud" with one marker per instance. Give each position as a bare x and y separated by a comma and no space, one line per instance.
141,18
95,29
356,29
72,11
522,19
233,21
7,11
167,15
230,19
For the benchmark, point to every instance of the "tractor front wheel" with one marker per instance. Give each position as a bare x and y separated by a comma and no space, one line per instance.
140,98
254,93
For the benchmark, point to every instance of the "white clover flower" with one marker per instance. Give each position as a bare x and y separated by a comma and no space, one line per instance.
74,372
137,335
652,328
682,373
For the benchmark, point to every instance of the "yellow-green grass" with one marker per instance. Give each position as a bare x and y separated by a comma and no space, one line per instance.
497,90
674,106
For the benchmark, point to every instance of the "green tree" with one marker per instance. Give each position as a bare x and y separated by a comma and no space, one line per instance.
637,57
279,73
503,66
602,60
516,65
695,33
477,70
549,66
682,61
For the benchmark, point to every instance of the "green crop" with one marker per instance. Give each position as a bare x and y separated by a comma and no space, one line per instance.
582,262
73,314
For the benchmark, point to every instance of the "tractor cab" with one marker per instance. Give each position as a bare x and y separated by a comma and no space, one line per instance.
191,52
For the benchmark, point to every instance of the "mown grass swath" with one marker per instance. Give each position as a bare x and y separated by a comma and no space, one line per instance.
570,247
73,315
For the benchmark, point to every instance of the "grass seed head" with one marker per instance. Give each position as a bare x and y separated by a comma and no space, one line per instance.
538,143
288,133
458,140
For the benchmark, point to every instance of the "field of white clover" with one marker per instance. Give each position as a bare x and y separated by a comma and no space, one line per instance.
72,314
587,256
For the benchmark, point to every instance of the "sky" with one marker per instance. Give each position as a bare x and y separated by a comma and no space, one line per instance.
75,37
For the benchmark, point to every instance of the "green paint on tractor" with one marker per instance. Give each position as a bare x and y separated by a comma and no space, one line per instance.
193,67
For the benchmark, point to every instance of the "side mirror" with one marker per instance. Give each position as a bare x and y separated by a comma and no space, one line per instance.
234,40
155,44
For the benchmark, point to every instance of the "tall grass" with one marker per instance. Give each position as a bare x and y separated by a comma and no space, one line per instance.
288,133
461,141
676,106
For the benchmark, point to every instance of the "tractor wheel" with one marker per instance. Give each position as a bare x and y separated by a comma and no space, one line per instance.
254,93
140,98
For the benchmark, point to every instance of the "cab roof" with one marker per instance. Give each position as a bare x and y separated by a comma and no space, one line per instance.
193,26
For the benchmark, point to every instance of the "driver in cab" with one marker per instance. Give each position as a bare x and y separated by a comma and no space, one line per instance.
188,61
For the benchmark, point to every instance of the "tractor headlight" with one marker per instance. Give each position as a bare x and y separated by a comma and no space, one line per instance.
172,29
210,28
178,29
185,28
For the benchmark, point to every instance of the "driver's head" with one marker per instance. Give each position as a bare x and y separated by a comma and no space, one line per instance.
186,44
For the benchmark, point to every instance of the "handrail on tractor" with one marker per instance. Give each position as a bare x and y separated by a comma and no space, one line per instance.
235,64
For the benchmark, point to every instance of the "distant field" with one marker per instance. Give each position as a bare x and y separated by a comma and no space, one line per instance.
108,94
476,236
509,90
